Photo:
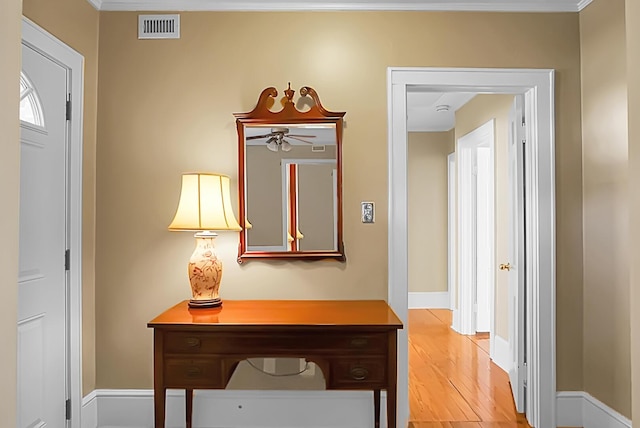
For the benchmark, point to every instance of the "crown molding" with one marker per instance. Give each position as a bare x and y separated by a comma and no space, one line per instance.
583,3
342,5
97,4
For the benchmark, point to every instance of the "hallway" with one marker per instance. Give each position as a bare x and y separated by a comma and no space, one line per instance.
452,381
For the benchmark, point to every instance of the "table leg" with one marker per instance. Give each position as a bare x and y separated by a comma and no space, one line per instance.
391,406
392,387
189,406
376,407
159,396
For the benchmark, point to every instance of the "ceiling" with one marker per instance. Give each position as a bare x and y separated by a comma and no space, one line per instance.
429,111
318,5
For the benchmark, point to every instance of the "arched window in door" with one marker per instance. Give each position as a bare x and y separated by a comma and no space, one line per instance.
30,106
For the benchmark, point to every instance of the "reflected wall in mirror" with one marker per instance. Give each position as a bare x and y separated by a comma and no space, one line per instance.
290,179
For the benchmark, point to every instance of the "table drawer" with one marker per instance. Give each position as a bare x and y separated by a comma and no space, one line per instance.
194,343
357,373
192,372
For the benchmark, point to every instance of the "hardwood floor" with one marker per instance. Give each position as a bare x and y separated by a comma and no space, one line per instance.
452,381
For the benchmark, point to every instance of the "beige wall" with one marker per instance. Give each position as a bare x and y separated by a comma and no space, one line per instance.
632,13
10,21
428,209
474,114
75,22
166,107
607,365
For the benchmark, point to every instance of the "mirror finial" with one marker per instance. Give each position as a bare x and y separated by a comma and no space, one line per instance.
289,93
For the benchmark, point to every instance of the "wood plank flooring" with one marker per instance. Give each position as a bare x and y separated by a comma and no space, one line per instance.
452,381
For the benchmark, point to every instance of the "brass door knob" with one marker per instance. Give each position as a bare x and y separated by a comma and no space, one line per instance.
506,267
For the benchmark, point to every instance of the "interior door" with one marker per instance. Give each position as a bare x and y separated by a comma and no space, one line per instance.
42,281
485,230
516,266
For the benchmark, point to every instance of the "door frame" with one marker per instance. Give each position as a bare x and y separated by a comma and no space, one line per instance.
467,227
54,49
539,85
451,237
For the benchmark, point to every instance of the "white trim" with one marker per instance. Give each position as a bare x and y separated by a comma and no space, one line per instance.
451,230
97,4
237,408
500,353
129,408
467,215
340,5
42,41
398,253
429,300
581,409
466,230
583,3
89,412
507,81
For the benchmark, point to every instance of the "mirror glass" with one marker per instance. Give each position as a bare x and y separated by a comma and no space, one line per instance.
290,195
291,192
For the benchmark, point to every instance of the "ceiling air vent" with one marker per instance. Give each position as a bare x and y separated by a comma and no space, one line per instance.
158,26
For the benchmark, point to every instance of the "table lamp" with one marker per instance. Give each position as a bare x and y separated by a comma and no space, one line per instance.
205,207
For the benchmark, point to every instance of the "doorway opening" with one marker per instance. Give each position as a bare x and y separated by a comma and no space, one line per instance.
537,86
471,353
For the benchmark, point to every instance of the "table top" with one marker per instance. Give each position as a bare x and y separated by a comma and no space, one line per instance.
281,313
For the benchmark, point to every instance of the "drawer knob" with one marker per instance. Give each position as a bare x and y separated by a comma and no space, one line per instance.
359,373
192,342
194,371
359,342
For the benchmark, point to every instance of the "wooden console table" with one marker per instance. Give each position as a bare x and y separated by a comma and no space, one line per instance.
353,343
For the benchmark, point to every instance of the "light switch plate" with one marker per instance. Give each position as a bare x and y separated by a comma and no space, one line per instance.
368,212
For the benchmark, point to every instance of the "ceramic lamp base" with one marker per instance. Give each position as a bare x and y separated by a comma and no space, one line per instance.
205,273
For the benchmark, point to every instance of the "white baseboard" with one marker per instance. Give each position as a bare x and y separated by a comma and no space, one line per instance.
232,408
455,320
429,300
500,353
581,409
89,412
293,409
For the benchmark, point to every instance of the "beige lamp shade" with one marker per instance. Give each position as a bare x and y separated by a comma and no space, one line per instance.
205,204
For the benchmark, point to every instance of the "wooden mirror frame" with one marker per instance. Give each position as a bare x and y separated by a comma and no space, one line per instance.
262,115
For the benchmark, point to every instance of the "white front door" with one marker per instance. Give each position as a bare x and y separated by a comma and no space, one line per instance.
42,281
515,266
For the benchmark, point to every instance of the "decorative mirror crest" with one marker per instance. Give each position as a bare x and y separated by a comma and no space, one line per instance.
290,178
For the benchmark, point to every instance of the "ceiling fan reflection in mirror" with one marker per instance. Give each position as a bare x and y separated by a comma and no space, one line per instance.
275,139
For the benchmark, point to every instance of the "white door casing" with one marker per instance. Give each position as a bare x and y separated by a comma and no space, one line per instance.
538,85
38,264
474,241
516,250
451,234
